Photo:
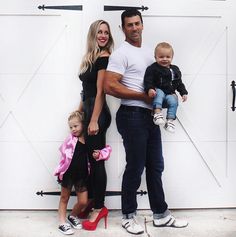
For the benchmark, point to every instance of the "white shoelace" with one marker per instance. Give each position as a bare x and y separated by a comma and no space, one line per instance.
75,220
65,226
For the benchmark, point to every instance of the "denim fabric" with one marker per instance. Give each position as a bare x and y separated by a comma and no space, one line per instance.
143,147
129,216
161,215
170,102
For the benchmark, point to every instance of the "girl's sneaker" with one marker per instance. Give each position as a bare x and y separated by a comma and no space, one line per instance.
66,229
75,222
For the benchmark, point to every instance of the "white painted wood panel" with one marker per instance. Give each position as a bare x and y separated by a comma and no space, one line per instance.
40,56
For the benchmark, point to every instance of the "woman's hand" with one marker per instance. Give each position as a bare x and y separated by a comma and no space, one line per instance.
93,128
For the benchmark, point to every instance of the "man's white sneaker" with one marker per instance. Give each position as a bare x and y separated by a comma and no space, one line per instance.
170,126
75,222
170,221
158,119
132,226
66,229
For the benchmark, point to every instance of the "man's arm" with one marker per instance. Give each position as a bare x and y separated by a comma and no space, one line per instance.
113,86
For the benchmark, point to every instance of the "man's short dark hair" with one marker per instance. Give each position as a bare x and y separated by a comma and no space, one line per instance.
130,13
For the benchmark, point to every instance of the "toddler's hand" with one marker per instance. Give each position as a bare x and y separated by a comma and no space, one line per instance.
151,93
96,154
103,154
184,98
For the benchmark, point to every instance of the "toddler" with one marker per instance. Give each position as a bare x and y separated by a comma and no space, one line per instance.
161,80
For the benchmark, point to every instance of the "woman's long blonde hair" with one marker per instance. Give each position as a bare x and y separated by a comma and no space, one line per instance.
93,51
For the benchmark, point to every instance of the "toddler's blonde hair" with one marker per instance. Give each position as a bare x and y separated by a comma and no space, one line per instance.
76,114
164,45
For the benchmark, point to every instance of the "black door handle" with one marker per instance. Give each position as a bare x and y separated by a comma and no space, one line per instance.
233,89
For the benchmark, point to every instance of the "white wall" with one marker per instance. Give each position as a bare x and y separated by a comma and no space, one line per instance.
40,55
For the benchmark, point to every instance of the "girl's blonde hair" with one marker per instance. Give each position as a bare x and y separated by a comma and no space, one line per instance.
93,50
164,45
76,114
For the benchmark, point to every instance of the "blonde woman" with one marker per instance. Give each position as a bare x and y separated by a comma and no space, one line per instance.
97,117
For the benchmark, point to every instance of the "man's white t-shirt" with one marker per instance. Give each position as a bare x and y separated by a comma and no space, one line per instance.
131,62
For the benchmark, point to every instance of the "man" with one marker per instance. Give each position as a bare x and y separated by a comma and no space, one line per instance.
141,138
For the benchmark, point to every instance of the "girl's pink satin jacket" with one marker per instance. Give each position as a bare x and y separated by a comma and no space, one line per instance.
104,154
67,150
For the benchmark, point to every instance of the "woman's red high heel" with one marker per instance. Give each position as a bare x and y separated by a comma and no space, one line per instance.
88,225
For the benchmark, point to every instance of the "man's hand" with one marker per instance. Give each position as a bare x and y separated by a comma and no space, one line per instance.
147,99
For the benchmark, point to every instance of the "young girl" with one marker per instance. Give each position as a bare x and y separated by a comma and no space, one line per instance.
72,171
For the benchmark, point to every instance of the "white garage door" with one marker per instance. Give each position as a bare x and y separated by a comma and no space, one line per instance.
40,55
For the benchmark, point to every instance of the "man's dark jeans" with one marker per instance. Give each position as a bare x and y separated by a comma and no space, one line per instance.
143,147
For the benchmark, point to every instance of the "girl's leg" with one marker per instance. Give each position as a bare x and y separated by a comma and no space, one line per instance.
83,214
65,195
90,204
82,200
